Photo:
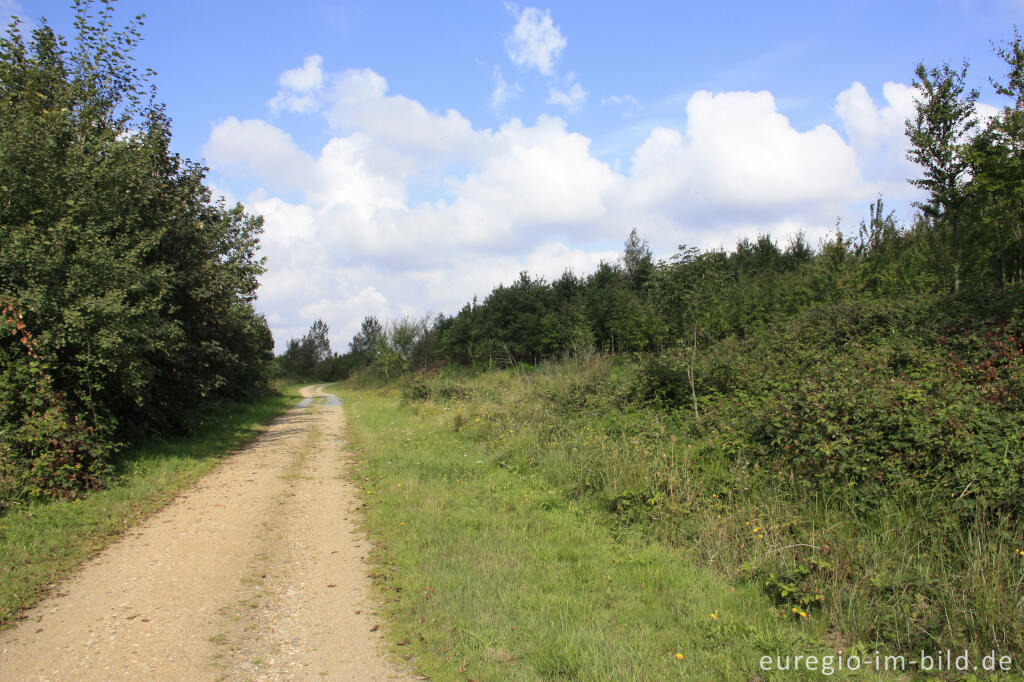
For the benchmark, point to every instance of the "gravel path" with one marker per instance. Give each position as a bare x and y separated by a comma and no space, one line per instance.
257,572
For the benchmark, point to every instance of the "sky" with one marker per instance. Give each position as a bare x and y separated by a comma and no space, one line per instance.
408,156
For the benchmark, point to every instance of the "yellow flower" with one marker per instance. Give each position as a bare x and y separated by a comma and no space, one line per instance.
680,656
803,615
796,610
714,616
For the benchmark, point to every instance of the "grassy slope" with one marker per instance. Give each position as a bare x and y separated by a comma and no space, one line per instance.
44,542
492,574
912,401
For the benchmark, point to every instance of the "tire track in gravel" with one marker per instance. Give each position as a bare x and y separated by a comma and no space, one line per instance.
257,572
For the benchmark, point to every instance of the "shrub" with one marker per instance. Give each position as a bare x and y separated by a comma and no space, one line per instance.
46,450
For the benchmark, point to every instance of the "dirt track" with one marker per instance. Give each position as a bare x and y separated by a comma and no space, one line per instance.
255,573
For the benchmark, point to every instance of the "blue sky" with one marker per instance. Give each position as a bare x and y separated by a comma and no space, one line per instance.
407,156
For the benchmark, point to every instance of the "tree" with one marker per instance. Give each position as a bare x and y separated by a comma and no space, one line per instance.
368,339
636,260
938,134
997,168
137,288
306,357
318,341
403,335
689,289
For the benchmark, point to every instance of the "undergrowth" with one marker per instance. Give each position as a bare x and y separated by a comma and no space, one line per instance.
861,465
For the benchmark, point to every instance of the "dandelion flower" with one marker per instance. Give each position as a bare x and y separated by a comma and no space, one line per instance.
803,615
680,656
714,616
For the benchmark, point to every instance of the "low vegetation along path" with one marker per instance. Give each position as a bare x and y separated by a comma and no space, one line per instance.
255,573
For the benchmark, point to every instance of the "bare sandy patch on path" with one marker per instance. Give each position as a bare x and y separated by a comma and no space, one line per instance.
257,572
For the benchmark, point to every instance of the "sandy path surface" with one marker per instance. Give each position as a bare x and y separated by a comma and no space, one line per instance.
257,572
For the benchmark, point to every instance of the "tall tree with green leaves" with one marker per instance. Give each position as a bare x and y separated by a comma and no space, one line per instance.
939,133
137,288
319,343
367,339
637,260
997,169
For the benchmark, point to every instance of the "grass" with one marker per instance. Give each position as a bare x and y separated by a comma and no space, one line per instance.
43,542
489,571
902,573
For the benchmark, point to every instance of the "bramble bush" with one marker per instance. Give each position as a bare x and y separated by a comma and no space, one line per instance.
45,448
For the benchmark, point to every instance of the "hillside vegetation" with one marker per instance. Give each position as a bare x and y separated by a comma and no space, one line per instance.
861,466
838,424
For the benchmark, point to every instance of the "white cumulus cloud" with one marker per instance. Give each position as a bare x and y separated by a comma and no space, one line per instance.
572,99
256,148
307,78
299,87
535,41
406,134
877,134
740,157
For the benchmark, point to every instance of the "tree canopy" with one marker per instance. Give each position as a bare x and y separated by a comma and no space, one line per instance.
136,289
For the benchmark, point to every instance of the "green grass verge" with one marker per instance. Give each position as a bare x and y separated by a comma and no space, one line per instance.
43,542
491,574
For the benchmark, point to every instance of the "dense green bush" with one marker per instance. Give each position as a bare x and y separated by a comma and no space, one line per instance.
137,289
45,448
866,398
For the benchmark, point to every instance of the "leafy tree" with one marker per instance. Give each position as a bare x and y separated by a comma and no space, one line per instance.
366,341
691,288
460,336
996,189
138,290
403,335
938,135
318,341
798,252
306,357
637,260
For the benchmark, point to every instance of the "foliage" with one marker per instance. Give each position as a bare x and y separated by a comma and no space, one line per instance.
856,438
304,357
137,289
46,449
944,120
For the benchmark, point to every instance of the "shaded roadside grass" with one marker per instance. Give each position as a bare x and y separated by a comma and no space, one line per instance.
43,542
491,574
